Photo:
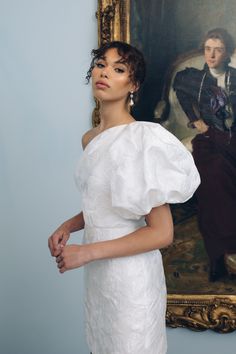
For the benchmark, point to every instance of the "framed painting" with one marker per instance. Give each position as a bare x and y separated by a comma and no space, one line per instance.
168,33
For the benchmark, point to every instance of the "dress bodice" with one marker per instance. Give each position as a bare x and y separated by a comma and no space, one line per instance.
128,169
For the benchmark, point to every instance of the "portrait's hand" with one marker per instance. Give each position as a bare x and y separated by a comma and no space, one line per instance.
58,240
201,126
73,256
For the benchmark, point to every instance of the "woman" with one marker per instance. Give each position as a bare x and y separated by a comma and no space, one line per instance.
208,97
128,173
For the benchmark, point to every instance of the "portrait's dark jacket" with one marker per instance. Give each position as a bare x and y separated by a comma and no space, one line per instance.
196,91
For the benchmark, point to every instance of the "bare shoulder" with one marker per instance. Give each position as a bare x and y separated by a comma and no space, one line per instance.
88,136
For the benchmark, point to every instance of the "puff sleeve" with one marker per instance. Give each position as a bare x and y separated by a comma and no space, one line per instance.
151,168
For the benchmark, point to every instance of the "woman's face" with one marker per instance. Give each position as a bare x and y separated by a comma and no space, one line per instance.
111,78
215,52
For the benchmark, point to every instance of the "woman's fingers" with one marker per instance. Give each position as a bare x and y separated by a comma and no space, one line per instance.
57,251
60,264
64,239
53,243
60,261
57,240
50,245
71,257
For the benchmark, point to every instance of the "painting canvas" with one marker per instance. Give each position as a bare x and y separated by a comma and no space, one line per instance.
165,42
169,34
164,29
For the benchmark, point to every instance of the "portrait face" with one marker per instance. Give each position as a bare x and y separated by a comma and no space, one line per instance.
111,77
214,52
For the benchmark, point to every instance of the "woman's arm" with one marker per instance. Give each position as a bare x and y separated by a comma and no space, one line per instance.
59,238
158,233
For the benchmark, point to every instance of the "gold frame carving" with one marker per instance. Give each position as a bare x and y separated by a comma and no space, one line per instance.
196,312
113,21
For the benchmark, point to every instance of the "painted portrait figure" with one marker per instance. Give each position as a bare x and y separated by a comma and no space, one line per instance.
208,98
200,279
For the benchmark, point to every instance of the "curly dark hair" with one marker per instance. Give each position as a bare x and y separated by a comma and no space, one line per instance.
223,35
129,54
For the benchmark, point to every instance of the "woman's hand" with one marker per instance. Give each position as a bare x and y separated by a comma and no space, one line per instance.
73,256
201,126
58,240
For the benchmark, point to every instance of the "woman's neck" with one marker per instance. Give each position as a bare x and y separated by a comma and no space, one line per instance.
112,115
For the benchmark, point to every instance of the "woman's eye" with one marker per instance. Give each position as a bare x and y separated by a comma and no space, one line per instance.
119,70
100,65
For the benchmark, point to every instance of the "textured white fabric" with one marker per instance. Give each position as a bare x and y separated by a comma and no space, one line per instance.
124,172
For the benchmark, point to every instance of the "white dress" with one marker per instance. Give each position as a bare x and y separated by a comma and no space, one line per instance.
124,172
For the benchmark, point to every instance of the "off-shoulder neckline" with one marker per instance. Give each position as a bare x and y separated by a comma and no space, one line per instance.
108,130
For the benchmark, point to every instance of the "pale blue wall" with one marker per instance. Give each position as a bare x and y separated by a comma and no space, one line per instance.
44,109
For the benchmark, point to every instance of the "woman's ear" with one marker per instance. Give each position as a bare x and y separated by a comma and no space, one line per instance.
135,87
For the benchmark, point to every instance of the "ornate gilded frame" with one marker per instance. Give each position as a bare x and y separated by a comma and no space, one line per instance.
197,312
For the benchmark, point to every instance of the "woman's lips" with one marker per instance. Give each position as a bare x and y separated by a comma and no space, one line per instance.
101,84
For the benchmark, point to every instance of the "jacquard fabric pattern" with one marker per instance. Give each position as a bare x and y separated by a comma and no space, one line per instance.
124,172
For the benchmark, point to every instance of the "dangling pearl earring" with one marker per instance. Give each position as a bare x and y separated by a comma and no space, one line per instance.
131,102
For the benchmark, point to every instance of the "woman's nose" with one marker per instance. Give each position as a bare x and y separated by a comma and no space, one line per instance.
104,72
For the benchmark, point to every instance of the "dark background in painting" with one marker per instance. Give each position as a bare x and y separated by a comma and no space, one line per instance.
164,29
